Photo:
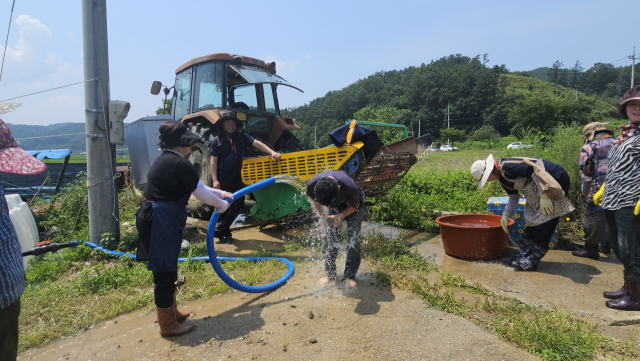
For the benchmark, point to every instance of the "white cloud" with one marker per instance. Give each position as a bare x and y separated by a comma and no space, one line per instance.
281,64
307,56
31,37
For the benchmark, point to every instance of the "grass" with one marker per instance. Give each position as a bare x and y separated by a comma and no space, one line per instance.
551,334
68,291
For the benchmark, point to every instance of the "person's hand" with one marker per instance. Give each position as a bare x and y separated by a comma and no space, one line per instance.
546,206
597,198
227,195
637,210
336,219
215,184
276,156
504,222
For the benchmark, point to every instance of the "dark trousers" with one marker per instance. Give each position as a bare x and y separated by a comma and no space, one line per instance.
164,286
330,247
623,233
595,229
9,331
534,244
542,233
226,219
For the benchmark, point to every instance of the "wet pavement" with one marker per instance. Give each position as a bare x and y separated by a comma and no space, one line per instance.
561,280
300,320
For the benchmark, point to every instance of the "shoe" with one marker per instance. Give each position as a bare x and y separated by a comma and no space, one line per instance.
619,293
180,316
630,301
226,240
589,251
604,248
169,325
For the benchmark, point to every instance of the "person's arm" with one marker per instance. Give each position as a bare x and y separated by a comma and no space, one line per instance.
323,216
337,218
213,166
586,169
219,193
275,156
512,204
203,194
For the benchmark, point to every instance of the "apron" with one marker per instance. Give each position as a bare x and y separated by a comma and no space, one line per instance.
161,237
532,214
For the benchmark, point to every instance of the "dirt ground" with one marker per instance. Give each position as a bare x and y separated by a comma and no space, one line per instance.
300,320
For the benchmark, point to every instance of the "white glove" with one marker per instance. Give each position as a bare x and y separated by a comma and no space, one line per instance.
504,222
546,206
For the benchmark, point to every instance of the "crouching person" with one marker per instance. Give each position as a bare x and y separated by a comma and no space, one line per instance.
162,217
344,201
544,185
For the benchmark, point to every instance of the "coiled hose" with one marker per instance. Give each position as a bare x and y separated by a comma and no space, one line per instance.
212,252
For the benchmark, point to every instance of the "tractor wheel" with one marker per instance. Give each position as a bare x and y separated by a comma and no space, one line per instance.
199,157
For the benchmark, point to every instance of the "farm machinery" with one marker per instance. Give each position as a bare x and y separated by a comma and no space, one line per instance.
208,86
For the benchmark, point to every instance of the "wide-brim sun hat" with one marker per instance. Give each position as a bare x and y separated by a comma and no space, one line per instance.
230,115
14,160
591,129
622,106
481,169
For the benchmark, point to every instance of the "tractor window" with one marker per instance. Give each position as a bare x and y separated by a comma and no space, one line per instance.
209,86
244,97
269,103
182,97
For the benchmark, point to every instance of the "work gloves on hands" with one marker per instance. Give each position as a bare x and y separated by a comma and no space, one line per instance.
597,197
546,206
504,222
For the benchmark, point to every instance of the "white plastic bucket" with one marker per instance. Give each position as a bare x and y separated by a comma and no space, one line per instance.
23,222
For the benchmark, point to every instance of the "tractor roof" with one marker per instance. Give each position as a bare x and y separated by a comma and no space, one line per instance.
222,56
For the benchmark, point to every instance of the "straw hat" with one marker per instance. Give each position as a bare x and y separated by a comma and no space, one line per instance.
14,160
481,169
591,129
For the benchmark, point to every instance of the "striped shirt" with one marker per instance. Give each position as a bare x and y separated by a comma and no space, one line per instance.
11,271
623,178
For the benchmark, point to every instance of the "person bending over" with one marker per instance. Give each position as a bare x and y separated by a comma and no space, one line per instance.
338,198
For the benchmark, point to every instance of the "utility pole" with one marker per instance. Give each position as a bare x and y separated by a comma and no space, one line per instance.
418,128
102,188
633,65
448,113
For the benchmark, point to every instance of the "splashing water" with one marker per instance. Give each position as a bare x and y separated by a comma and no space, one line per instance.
316,235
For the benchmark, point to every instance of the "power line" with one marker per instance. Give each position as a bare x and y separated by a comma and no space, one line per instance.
49,136
43,91
7,41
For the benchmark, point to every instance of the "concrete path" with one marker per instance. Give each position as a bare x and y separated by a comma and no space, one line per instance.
301,320
562,280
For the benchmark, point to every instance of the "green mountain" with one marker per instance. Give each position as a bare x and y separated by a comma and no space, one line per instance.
38,137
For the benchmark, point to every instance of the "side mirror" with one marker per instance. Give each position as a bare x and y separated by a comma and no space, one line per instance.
155,87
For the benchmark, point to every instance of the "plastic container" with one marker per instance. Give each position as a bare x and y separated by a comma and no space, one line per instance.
473,236
497,205
23,222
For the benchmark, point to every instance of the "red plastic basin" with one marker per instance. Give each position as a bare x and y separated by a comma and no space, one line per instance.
473,236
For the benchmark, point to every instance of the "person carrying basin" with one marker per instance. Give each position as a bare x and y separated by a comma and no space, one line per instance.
545,186
162,217
594,163
620,199
226,152
344,201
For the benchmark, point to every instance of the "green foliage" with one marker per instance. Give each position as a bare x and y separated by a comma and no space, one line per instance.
453,135
486,133
384,115
165,108
542,114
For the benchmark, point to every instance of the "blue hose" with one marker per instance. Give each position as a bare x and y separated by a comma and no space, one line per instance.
212,252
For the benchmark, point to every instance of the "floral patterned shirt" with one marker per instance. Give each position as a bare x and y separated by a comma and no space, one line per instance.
594,164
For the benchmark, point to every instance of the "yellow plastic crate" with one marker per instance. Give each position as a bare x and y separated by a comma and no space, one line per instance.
304,164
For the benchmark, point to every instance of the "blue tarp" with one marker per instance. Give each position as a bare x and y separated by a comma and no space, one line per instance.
51,153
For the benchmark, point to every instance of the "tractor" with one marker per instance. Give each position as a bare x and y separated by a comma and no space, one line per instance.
208,86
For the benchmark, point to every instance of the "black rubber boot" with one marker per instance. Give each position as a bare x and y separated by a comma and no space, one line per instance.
589,251
630,301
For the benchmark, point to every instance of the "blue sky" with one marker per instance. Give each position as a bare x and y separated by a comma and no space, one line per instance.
318,46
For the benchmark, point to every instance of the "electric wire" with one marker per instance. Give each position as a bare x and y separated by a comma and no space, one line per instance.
7,41
44,91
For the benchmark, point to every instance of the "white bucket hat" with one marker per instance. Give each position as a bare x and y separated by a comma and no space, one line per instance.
481,169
